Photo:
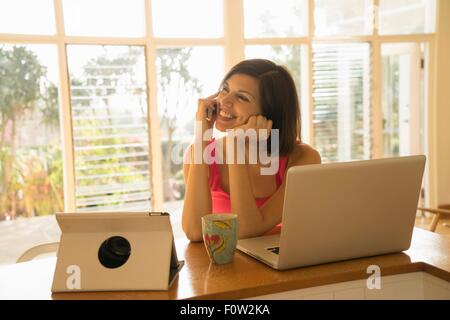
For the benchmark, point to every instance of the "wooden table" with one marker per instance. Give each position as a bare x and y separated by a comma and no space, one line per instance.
245,277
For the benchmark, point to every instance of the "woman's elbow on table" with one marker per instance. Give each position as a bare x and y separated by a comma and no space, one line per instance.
192,234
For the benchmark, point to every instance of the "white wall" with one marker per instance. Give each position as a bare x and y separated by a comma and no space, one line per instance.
441,134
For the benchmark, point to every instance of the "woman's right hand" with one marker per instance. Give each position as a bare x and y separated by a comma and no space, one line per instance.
207,111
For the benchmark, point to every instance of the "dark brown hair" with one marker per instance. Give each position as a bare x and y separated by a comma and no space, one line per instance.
279,99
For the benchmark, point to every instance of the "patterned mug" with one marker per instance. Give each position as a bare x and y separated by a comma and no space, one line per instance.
220,234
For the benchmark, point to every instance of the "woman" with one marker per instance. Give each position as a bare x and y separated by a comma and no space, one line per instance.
255,94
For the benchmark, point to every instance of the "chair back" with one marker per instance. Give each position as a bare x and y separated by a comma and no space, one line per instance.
38,250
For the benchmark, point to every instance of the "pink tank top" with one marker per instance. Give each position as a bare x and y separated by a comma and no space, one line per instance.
221,202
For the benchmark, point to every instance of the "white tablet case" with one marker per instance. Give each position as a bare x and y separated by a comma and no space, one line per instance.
152,263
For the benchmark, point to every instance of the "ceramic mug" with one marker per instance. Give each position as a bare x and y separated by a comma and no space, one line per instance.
220,235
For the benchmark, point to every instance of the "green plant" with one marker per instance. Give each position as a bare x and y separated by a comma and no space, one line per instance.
25,92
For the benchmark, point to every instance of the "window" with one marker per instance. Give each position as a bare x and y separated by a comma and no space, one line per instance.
341,101
416,16
187,19
39,17
119,18
183,75
344,17
110,127
30,143
264,19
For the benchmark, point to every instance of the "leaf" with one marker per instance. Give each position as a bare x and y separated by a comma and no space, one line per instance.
222,224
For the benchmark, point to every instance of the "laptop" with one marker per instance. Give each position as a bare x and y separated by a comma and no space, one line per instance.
341,211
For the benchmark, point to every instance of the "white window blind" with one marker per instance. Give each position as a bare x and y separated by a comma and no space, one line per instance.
341,101
109,114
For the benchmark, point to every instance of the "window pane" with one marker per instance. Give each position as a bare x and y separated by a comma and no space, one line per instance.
403,99
110,131
407,16
187,19
30,146
37,18
343,17
341,101
184,75
110,18
285,18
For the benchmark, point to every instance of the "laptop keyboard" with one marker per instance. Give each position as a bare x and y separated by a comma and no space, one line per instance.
275,250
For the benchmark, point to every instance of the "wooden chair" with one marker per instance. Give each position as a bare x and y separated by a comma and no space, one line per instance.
442,212
35,251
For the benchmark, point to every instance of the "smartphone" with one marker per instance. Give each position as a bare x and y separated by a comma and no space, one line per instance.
211,113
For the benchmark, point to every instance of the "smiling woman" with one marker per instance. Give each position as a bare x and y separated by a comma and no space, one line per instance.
256,94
